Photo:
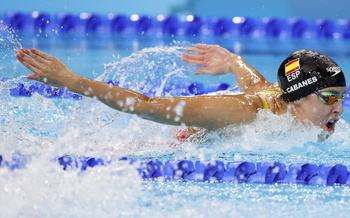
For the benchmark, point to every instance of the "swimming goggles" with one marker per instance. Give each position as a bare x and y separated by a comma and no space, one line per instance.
329,97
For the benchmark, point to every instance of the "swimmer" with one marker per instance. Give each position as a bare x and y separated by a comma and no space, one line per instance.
311,87
302,74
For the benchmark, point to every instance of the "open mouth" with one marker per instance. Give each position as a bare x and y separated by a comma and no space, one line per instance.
331,125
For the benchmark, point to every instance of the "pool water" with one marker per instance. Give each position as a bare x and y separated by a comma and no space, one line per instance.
41,128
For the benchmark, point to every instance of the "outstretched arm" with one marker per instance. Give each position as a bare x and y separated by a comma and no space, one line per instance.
209,112
217,60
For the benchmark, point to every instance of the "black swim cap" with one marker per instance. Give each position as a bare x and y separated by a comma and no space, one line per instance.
305,72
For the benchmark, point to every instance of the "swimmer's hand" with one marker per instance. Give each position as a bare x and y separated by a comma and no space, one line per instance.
216,60
46,68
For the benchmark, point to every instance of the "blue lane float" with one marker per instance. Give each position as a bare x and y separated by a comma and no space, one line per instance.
21,90
191,88
230,172
209,170
189,25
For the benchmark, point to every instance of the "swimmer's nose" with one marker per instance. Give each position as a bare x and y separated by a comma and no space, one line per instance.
338,108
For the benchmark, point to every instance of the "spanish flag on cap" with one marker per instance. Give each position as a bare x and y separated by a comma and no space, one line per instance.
292,66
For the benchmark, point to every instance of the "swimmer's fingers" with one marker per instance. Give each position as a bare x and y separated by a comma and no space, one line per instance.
199,61
193,59
38,55
203,46
196,50
204,71
36,77
193,56
43,62
33,68
29,62
49,70
41,54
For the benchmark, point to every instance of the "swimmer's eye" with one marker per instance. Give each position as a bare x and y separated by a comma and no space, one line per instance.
329,97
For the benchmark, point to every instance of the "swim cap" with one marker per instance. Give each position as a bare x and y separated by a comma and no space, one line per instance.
305,72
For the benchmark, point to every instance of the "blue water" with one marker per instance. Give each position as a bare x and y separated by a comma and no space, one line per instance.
43,128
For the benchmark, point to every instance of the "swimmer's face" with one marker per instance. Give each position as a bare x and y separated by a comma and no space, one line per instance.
311,109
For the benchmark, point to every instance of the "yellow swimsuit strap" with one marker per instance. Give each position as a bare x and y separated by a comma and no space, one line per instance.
264,101
265,104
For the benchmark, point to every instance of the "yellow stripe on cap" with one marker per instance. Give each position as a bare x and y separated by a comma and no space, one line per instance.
292,66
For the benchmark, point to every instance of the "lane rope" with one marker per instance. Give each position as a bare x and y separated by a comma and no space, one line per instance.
209,171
